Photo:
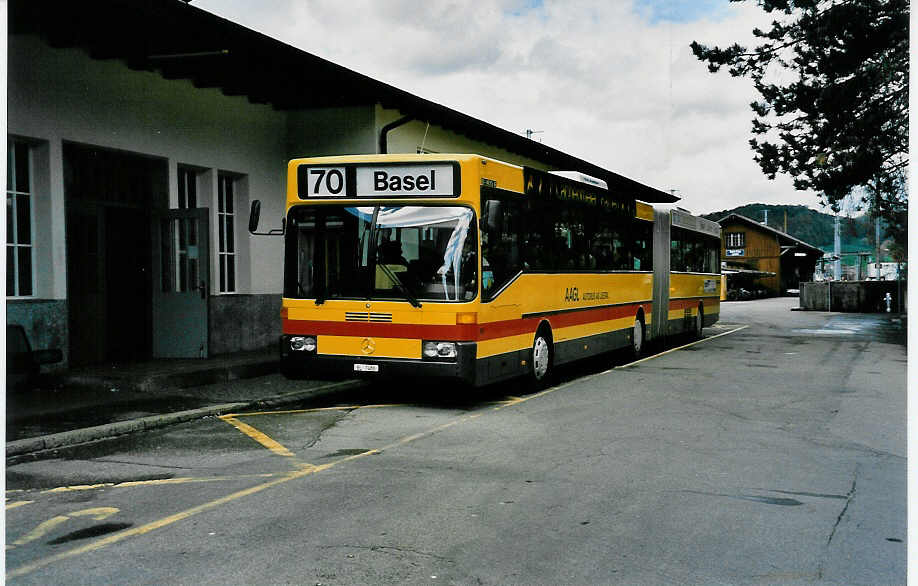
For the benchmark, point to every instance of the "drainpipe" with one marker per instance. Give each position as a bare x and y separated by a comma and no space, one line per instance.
384,132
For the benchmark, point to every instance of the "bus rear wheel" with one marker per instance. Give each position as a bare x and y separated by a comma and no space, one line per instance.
637,338
540,370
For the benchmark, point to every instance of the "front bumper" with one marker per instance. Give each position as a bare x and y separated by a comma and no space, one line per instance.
462,368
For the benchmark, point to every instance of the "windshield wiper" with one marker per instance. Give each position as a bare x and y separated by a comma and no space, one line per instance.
401,286
320,296
320,291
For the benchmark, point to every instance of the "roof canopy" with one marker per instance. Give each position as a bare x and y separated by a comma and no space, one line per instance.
183,42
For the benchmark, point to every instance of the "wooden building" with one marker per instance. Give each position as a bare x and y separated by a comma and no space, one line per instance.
751,246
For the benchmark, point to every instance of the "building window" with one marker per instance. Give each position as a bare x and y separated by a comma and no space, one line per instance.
226,221
736,239
187,188
18,220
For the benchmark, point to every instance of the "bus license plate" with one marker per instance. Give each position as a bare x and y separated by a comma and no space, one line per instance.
366,368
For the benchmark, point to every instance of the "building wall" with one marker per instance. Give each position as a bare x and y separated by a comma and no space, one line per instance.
416,136
331,131
62,95
232,320
103,103
44,322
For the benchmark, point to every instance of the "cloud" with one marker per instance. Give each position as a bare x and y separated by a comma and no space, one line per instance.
614,83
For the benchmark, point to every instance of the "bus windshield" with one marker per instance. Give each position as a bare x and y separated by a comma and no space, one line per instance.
412,252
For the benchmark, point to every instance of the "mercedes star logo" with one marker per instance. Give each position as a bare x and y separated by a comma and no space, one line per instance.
367,346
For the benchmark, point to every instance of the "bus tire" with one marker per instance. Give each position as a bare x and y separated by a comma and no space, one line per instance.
637,337
541,367
699,322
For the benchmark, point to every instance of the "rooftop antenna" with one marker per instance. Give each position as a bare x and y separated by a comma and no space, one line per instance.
530,132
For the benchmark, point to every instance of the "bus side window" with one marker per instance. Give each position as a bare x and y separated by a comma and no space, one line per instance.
299,277
677,260
500,248
689,250
646,229
712,250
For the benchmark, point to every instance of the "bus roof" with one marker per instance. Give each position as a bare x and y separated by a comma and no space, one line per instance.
618,186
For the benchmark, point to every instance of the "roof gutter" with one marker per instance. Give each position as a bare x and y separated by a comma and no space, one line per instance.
384,133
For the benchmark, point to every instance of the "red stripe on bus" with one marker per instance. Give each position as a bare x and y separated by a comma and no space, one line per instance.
576,318
691,302
381,330
464,332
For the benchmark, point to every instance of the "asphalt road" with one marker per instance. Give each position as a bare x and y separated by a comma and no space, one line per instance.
773,451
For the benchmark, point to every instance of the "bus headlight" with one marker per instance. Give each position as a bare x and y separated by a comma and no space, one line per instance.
439,349
303,343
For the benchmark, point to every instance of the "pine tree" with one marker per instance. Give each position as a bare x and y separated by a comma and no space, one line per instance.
840,125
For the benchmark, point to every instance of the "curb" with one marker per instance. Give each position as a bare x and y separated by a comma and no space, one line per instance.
209,376
168,381
19,449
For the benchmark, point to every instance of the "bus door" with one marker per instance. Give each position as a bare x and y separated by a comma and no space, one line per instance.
181,283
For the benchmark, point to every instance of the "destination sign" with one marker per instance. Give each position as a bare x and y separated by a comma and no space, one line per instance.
556,186
379,181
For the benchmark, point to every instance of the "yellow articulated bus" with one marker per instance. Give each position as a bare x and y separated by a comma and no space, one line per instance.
467,268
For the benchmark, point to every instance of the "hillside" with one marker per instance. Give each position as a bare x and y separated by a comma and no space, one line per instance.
816,228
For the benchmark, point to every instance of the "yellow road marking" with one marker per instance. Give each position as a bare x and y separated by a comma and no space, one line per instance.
681,347
258,436
159,481
306,470
17,504
143,529
38,532
98,514
263,439
293,475
313,410
509,401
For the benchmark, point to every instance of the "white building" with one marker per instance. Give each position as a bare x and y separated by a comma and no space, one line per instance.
138,133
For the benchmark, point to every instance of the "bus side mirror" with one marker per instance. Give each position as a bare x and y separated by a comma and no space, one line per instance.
254,214
493,216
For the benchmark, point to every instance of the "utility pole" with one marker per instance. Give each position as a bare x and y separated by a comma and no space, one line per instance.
766,218
837,270
876,211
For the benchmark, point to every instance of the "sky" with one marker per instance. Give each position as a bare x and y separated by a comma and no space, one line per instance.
613,82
